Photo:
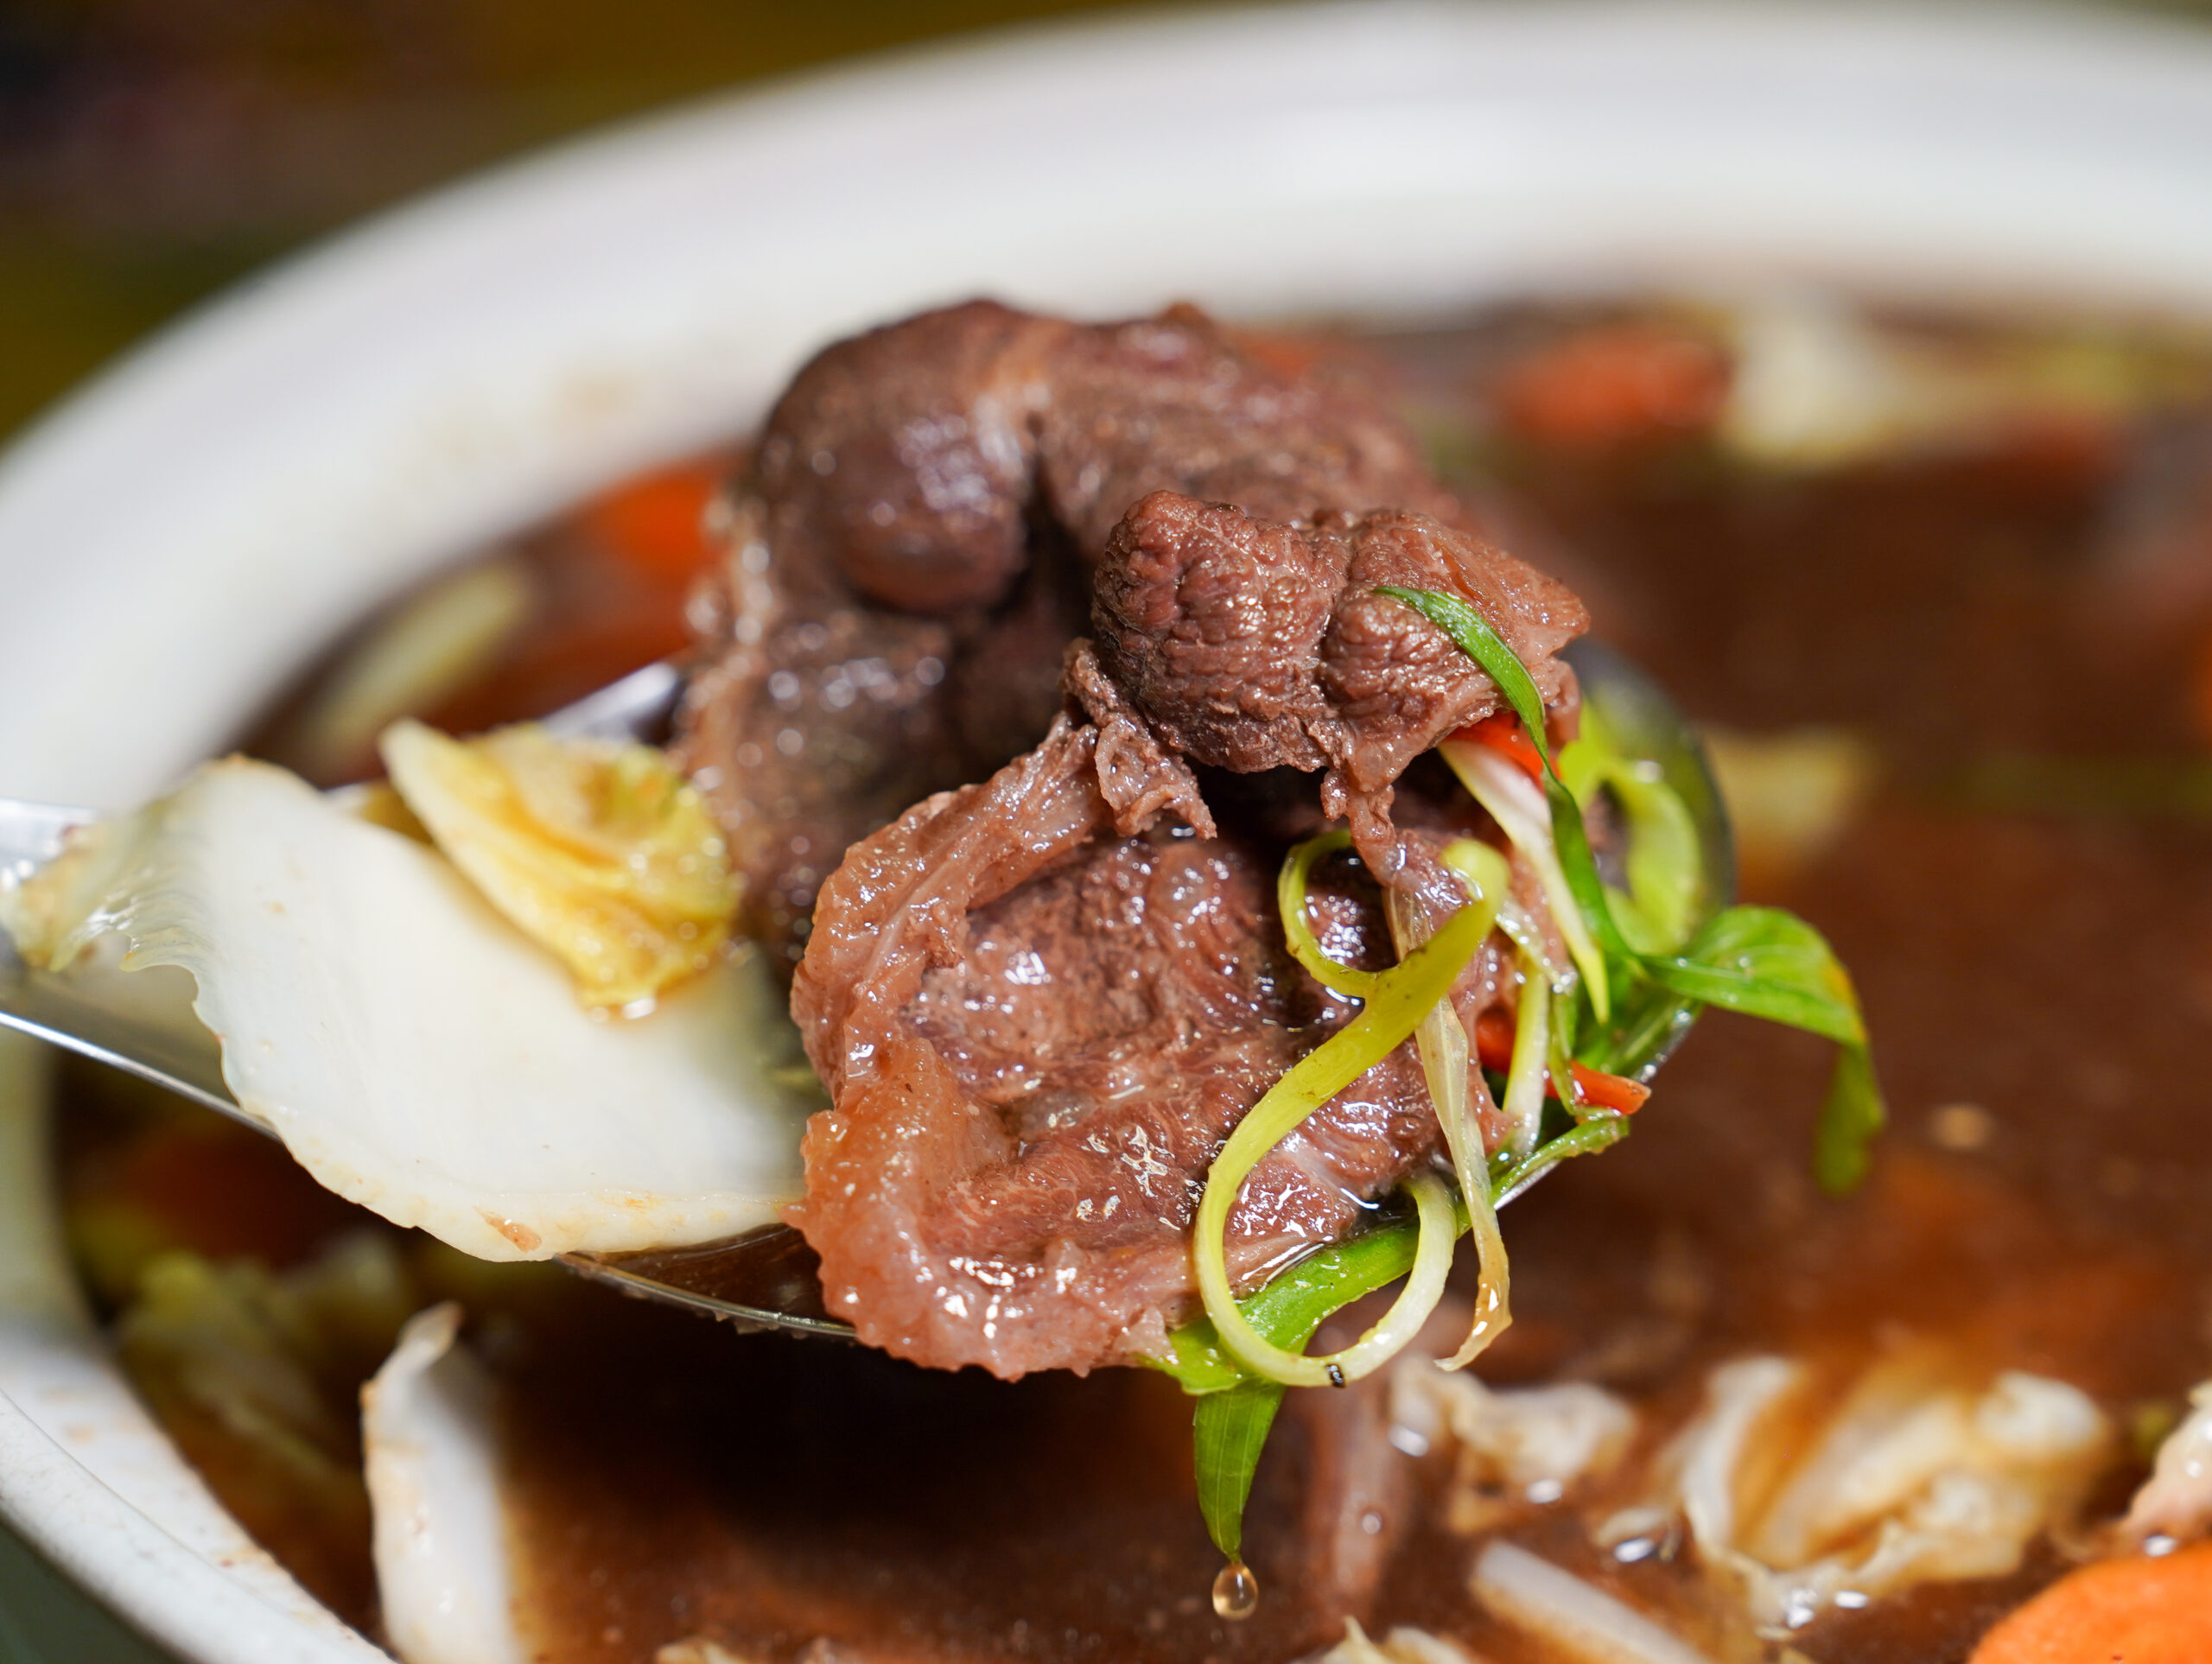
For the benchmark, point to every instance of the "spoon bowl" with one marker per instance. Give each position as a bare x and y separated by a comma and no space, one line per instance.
763,1279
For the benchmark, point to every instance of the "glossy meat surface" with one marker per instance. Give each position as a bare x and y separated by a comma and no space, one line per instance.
1248,644
913,548
1037,1033
1041,1004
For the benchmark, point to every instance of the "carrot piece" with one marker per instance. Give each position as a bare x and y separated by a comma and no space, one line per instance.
654,522
1615,384
1504,734
2139,1610
1494,1050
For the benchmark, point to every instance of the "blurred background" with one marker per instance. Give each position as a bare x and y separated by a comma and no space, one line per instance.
153,150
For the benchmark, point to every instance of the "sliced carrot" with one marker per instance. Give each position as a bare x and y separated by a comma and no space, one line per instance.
654,522
1615,384
1504,734
1494,1050
2138,1610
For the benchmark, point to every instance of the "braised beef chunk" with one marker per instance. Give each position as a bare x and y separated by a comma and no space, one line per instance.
1036,1033
1250,644
1041,1004
809,728
914,548
916,458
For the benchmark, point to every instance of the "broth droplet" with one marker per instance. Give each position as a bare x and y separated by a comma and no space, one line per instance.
1236,1592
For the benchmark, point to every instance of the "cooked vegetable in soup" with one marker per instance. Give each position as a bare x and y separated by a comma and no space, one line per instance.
1254,947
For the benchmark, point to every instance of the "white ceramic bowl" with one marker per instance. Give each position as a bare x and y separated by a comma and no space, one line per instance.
178,536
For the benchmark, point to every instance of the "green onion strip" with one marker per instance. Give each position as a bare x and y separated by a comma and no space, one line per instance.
1442,1041
1601,1131
1396,1002
1298,928
1521,812
1580,896
1524,1080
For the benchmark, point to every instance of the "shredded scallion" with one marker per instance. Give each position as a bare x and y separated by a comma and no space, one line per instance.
1662,862
1452,1089
1298,926
1524,1082
1636,981
1395,1004
1512,800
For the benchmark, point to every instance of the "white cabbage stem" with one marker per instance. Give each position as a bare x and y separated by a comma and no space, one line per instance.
1580,1620
317,942
430,1430
2176,1501
1403,1645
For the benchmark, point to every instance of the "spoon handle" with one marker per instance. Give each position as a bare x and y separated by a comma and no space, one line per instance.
83,1018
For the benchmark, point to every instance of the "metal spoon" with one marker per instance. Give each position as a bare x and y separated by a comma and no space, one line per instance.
765,1278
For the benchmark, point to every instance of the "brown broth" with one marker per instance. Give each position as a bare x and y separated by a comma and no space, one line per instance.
2045,963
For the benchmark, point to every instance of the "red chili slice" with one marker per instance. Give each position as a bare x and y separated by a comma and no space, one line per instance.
1504,734
1494,1049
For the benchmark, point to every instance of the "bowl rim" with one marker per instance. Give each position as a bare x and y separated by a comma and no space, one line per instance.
457,366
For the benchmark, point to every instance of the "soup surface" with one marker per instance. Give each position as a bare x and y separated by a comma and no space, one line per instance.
1956,651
